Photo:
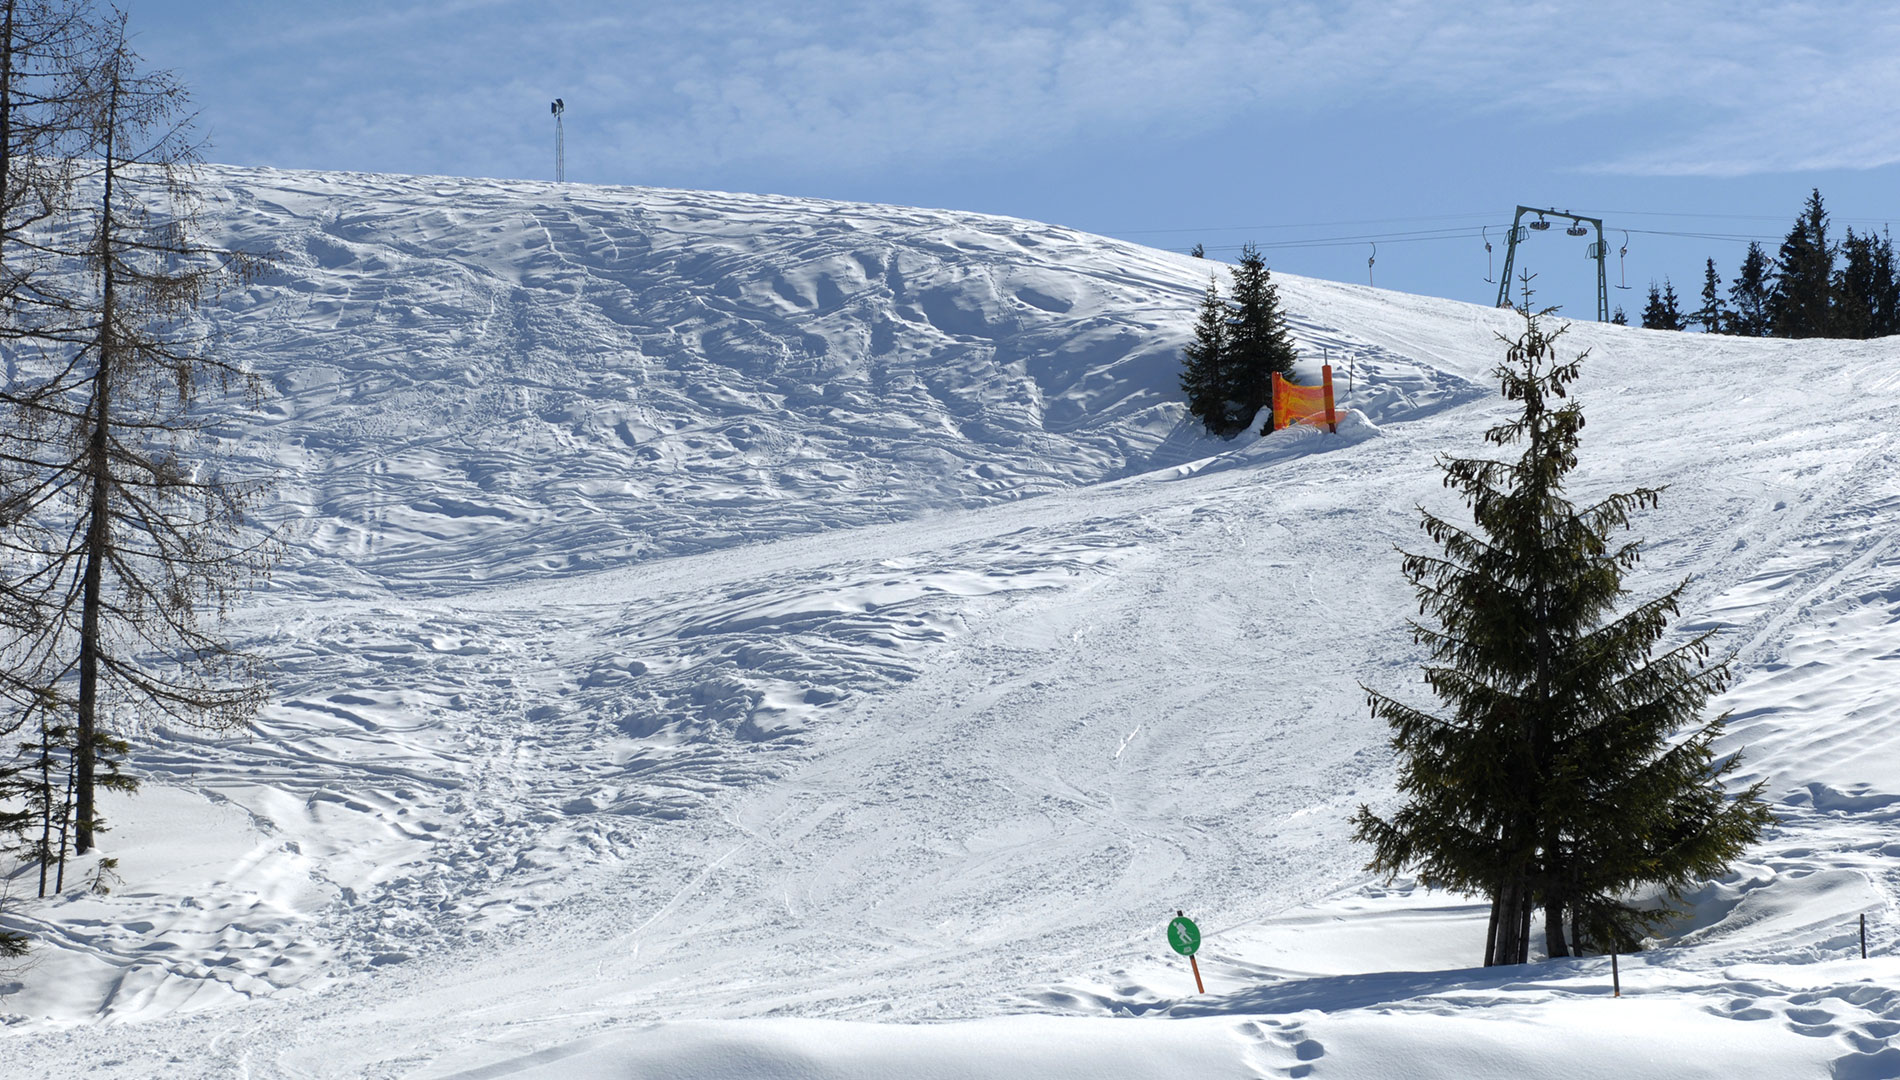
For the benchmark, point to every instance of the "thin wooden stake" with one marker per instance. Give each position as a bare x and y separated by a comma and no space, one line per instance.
1616,977
1197,974
1863,935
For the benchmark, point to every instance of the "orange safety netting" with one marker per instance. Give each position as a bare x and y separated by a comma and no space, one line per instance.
1296,404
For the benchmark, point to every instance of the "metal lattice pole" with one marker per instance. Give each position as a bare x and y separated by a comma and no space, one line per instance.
560,141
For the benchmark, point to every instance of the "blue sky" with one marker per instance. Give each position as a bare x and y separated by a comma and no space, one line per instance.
1312,129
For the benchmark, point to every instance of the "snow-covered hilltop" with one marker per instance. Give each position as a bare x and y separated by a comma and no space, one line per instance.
773,612
481,381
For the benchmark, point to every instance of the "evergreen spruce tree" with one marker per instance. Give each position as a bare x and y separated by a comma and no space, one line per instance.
1853,288
1664,310
1258,345
1619,317
1884,287
1749,295
1865,299
1203,375
1802,301
1555,780
1712,316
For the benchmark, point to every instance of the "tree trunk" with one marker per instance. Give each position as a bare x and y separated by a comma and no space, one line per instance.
1502,947
89,627
6,110
65,817
1511,944
98,537
1490,933
1554,928
46,801
1555,874
1524,925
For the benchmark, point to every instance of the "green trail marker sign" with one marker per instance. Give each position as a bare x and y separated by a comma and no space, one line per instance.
1185,938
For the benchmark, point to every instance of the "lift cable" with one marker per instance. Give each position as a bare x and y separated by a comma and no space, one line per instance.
1448,218
1302,225
1413,236
1464,233
1832,219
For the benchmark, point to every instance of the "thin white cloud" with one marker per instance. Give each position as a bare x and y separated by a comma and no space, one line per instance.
1707,87
1729,91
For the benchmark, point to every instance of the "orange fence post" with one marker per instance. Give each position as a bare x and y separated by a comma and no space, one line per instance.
1332,422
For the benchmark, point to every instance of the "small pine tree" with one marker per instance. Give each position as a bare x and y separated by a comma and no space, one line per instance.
1198,252
1664,310
1712,316
1555,781
1257,341
1748,296
1202,376
1619,318
1801,303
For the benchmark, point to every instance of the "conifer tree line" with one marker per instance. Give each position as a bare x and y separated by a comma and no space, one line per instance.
1664,310
1239,345
1571,766
1814,286
123,536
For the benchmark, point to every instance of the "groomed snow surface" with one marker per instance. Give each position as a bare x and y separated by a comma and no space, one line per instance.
734,636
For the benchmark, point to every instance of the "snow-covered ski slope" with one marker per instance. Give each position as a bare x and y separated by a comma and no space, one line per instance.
744,636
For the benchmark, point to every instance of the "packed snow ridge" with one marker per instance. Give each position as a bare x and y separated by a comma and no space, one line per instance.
715,621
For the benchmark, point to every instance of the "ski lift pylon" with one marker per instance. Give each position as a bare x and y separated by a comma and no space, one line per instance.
1542,223
1485,231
